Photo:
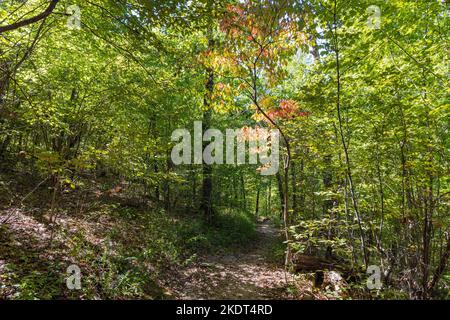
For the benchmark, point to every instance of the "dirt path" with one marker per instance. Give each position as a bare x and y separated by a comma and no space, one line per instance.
243,275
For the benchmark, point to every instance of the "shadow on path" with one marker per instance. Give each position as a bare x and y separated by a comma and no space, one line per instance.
247,274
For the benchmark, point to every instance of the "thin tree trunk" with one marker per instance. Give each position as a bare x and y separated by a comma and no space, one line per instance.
206,203
281,193
244,195
328,203
269,198
443,262
294,194
257,202
344,144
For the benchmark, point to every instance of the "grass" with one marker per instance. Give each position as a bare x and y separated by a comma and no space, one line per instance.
231,230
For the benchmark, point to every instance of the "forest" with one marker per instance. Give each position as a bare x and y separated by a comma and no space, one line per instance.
228,149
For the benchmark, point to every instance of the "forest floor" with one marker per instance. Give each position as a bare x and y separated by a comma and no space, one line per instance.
249,273
126,251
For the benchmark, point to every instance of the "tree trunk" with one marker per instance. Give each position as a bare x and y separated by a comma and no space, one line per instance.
281,193
257,203
344,144
294,194
206,203
328,203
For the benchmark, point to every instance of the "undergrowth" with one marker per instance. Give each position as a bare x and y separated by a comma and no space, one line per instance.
126,260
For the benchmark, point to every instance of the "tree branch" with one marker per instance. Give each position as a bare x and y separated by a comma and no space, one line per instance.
31,20
441,267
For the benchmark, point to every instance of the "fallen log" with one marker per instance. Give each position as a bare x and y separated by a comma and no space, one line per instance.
311,264
306,263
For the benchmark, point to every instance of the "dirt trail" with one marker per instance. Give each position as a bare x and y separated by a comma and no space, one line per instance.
247,274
